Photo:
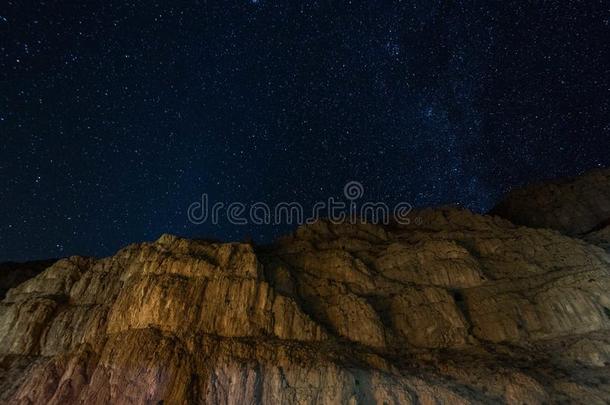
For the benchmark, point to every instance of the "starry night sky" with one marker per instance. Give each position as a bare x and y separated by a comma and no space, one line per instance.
115,116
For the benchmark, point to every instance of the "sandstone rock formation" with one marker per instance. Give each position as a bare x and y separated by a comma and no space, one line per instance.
573,206
460,308
13,274
600,237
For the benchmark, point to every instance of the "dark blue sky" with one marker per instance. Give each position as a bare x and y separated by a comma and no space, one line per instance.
115,116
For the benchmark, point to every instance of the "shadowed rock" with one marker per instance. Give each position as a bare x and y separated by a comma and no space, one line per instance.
13,274
572,206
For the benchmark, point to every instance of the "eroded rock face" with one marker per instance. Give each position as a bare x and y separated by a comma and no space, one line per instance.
13,274
572,206
461,308
600,237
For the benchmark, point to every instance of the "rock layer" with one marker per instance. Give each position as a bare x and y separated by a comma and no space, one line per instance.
460,308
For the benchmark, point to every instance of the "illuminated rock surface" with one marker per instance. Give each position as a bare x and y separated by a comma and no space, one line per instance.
460,308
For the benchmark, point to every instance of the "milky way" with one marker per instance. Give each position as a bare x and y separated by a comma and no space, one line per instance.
115,116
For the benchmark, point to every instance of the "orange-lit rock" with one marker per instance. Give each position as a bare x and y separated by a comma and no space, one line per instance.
461,308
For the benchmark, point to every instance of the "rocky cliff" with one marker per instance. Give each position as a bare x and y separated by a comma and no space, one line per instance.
455,308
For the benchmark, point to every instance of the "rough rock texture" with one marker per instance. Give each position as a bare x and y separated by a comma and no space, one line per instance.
573,206
461,308
600,237
13,274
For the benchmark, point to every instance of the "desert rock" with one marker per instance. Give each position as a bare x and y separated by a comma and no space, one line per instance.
455,308
572,206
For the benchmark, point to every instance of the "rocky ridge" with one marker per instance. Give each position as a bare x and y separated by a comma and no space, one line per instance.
574,206
460,308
